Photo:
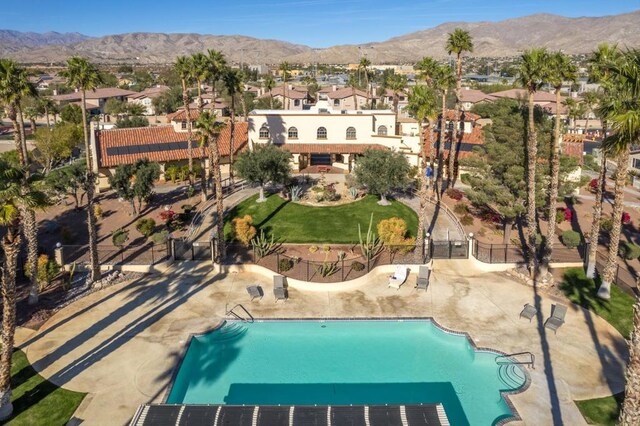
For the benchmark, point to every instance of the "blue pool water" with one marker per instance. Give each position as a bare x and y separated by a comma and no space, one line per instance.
346,362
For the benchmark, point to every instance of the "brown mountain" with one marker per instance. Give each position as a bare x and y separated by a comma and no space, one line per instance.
503,38
14,41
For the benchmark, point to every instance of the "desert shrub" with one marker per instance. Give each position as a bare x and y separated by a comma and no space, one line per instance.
568,215
626,218
559,216
629,250
461,208
171,173
47,270
466,220
392,231
97,210
187,208
285,265
168,217
593,185
183,173
490,217
464,178
455,194
119,237
482,232
570,238
326,248
313,249
243,231
357,266
145,226
160,237
606,224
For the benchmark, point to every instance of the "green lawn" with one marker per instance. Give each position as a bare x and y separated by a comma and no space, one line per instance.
618,311
37,401
295,223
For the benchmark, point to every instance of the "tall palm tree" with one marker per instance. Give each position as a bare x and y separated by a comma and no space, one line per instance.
422,106
599,63
17,195
201,73
233,84
184,68
211,131
285,69
363,67
84,76
31,114
589,100
560,70
46,106
397,84
269,84
532,75
458,42
14,87
217,65
353,84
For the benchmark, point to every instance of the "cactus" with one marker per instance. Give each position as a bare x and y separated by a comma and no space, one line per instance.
341,255
327,268
372,245
296,193
261,245
354,192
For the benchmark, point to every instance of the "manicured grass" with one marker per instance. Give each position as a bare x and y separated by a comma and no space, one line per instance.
601,411
37,401
295,223
618,311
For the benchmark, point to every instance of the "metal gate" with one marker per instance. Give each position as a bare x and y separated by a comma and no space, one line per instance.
454,249
191,250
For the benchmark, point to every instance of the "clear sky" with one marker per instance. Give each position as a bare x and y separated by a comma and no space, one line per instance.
317,23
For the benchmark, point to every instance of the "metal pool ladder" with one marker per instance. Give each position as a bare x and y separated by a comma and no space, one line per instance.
244,315
530,359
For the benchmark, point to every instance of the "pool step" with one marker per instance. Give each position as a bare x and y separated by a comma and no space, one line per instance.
511,375
229,331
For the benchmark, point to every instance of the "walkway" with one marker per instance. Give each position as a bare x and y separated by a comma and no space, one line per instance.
121,344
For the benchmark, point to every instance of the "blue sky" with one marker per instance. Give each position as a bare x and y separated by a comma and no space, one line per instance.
317,23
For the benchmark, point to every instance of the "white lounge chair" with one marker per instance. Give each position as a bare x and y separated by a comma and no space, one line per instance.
399,277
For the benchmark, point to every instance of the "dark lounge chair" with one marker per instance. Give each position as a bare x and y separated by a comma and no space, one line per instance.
556,319
422,283
528,312
255,291
280,288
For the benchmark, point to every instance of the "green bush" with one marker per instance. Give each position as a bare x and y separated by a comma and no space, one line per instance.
171,173
559,216
145,226
464,178
119,237
606,225
629,250
357,266
466,220
160,237
461,208
570,238
285,264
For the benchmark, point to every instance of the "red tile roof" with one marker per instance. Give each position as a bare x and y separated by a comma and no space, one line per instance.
450,114
474,96
181,114
125,146
291,93
573,149
105,92
523,94
345,92
329,148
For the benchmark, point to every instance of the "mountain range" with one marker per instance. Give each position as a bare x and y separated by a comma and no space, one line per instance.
491,39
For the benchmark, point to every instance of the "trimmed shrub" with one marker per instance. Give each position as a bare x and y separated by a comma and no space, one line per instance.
392,231
455,194
145,226
160,237
559,216
119,237
629,250
465,178
97,211
47,270
285,265
357,266
593,185
243,231
466,220
168,216
461,208
568,215
570,238
606,224
313,249
626,218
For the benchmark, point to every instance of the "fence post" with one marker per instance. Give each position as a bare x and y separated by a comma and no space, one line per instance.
278,262
122,254
213,250
171,247
307,262
153,258
342,269
58,254
470,246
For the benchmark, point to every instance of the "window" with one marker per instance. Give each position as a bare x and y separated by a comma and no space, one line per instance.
292,133
382,130
322,133
336,102
636,163
264,132
351,133
296,102
450,126
184,124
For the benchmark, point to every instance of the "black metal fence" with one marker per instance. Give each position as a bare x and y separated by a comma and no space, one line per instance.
510,253
138,254
192,250
454,249
625,278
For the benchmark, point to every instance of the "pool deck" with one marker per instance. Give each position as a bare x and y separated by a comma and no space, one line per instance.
121,344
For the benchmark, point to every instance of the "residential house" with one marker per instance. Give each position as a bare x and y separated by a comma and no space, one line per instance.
146,97
343,98
470,97
299,99
470,137
95,98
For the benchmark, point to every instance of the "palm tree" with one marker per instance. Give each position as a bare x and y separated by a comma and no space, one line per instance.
422,106
217,65
285,68
84,76
353,84
532,75
233,84
211,130
589,100
599,62
560,70
46,106
185,69
16,197
363,67
396,83
269,84
201,72
458,42
31,114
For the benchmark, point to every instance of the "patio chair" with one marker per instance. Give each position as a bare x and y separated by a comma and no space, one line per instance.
422,282
528,312
557,317
399,277
280,288
255,291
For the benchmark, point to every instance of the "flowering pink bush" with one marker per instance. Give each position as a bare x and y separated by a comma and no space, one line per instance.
593,184
568,215
168,216
626,218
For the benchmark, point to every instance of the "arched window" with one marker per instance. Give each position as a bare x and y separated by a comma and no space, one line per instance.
351,133
264,132
382,130
292,133
322,133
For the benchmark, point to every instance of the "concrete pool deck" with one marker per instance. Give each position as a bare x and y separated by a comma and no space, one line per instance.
121,344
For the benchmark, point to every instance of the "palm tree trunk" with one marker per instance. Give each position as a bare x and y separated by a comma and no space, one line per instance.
355,100
594,236
185,103
200,105
532,151
30,230
630,413
441,135
232,139
10,246
451,170
243,103
215,149
608,275
270,100
23,137
33,125
90,190
553,191
46,114
396,100
423,195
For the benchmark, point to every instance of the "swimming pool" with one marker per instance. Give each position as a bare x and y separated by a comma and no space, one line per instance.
341,362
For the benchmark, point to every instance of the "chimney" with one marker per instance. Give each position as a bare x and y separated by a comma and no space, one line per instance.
290,86
76,90
334,88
